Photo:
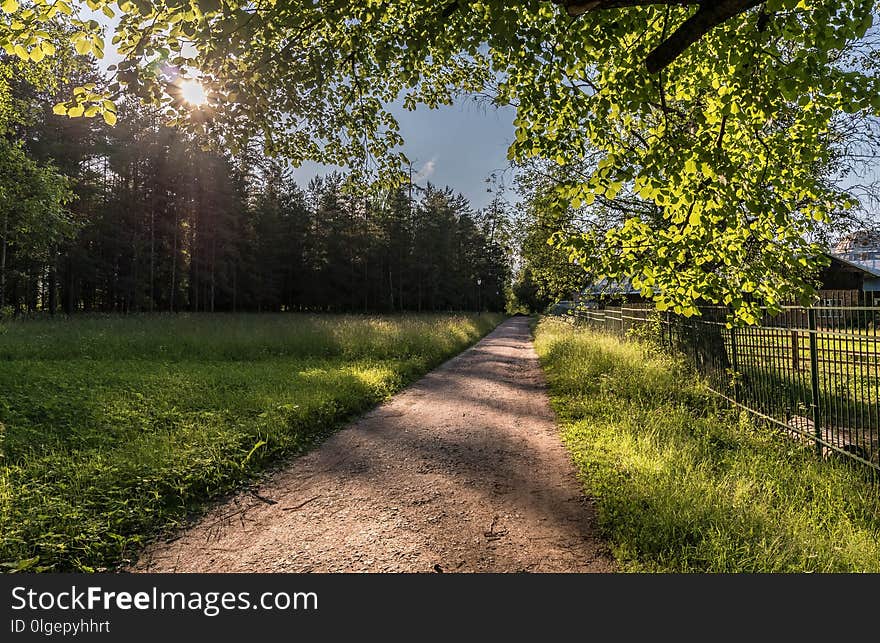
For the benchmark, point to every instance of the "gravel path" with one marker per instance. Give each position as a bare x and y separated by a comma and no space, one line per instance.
461,472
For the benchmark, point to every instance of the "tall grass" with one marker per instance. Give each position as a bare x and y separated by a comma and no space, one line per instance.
683,483
114,429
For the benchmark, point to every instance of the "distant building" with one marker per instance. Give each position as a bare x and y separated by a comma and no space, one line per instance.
609,292
853,277
860,248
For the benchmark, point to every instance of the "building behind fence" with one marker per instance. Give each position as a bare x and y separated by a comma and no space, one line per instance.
815,372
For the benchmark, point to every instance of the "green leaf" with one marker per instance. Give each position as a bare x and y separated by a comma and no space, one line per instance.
209,6
23,565
260,443
83,46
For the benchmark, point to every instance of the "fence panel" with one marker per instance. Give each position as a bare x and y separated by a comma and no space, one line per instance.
815,372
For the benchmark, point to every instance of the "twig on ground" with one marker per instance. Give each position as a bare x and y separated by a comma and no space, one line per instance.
300,505
268,501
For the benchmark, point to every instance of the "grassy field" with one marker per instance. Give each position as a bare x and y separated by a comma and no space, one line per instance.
115,429
683,483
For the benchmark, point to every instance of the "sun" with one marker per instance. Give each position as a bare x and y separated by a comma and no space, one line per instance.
193,93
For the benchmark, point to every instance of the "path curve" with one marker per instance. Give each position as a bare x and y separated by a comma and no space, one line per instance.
461,472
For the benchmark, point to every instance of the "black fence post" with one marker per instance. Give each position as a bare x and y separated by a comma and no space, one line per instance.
734,363
814,378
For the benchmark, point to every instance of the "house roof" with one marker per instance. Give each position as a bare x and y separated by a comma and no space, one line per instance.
858,241
873,272
610,287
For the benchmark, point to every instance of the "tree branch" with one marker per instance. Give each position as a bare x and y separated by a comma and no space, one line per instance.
710,14
578,7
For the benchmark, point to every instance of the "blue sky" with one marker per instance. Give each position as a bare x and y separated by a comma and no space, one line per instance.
458,145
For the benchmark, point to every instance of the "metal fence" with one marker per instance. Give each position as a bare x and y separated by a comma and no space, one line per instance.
814,372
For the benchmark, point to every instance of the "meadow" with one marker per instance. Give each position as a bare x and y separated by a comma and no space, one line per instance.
114,430
684,483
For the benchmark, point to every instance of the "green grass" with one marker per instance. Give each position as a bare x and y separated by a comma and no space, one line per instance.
683,483
116,429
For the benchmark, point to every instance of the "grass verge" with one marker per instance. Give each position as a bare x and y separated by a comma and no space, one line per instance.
115,429
685,484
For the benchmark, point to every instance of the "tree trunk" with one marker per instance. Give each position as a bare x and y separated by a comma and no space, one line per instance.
52,283
31,290
173,269
152,258
366,282
68,291
3,262
390,288
213,263
134,295
702,338
234,286
194,275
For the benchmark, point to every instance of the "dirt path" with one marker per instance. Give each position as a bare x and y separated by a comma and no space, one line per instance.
463,471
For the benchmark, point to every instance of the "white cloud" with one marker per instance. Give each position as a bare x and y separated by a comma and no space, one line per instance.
426,171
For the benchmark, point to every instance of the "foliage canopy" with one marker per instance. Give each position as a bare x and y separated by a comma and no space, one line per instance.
716,155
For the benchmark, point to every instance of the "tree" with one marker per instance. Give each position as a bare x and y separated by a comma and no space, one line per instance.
545,274
716,117
33,220
715,170
35,190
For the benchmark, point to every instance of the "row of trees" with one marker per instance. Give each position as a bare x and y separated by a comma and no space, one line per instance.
698,149
138,217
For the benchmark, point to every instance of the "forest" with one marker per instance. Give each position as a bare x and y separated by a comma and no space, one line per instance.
152,219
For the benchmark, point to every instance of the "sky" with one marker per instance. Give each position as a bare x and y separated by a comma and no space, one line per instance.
458,145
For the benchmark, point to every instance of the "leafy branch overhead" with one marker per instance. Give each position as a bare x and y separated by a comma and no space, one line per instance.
709,133
709,14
